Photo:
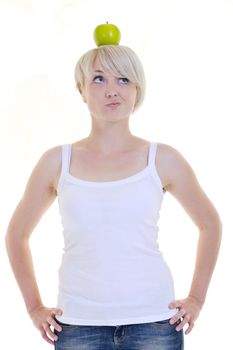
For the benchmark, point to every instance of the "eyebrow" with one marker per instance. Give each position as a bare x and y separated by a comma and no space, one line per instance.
98,71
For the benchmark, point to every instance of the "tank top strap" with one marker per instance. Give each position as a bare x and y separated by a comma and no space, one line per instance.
66,155
152,155
65,165
151,164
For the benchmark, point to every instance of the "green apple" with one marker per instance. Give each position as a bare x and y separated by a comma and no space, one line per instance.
107,34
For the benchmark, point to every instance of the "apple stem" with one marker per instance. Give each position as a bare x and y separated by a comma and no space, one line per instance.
107,22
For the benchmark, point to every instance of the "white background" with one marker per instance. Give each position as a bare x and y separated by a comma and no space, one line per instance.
187,52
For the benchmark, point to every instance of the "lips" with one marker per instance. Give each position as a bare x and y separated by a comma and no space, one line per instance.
113,104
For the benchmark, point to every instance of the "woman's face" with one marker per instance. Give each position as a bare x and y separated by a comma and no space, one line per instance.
108,97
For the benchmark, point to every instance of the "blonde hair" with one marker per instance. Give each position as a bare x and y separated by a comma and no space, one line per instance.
118,60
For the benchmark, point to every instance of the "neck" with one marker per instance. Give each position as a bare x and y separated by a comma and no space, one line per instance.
114,138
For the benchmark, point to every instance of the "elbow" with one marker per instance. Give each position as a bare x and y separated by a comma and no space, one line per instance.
213,227
13,239
9,240
218,225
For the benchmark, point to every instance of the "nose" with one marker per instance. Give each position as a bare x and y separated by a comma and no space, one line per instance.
110,90
110,93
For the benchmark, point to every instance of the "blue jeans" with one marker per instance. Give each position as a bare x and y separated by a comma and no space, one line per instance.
143,336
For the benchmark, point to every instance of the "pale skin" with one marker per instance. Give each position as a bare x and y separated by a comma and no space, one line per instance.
101,157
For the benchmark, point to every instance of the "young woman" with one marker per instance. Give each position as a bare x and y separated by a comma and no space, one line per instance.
115,289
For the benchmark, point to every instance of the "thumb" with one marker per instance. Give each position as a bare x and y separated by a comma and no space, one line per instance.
174,304
57,311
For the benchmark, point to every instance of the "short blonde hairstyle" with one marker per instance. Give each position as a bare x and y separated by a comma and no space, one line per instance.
118,60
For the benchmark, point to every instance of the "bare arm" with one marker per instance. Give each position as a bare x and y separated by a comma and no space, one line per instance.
38,196
182,183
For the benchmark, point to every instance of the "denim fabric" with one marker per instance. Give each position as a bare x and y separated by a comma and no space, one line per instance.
143,336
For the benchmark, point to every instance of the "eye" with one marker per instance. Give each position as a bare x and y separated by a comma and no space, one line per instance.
98,78
124,80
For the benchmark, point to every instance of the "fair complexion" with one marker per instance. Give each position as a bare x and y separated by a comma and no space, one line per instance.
101,89
182,183
37,198
109,125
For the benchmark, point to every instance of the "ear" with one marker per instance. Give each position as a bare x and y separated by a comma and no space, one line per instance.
81,93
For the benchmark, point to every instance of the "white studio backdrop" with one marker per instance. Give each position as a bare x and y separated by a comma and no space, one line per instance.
186,49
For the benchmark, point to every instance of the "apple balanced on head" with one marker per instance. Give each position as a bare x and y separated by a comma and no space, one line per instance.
107,34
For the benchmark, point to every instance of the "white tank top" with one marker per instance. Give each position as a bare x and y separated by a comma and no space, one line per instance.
112,271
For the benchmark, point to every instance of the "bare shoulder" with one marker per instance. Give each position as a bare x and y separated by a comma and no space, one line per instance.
52,156
181,181
171,165
168,154
49,165
39,193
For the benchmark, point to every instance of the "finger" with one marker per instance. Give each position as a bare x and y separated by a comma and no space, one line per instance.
186,319
49,332
56,311
177,316
54,324
175,304
188,330
46,338
181,325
